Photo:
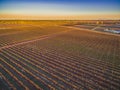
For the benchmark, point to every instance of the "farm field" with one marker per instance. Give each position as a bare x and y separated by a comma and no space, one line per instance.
48,55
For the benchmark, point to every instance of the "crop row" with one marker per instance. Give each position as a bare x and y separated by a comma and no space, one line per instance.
59,72
74,61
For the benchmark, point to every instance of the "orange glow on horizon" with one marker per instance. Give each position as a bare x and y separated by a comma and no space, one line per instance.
59,17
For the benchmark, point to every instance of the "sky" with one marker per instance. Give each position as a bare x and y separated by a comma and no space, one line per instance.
60,9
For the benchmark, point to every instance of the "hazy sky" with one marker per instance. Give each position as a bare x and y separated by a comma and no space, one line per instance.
60,9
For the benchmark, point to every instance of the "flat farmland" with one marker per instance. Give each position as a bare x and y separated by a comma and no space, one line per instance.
50,56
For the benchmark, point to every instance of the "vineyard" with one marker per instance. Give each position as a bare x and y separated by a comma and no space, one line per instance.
58,58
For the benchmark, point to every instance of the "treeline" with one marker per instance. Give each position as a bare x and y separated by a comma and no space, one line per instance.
65,22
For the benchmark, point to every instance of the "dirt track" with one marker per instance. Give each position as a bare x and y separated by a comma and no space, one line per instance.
94,31
38,39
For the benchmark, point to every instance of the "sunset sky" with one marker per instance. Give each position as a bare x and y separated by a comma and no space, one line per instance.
59,9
